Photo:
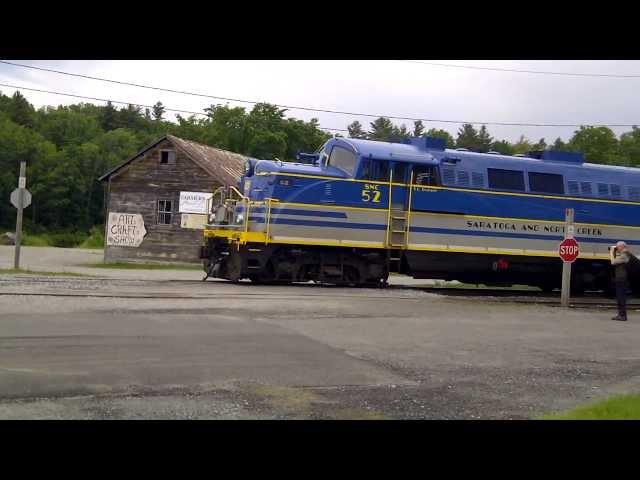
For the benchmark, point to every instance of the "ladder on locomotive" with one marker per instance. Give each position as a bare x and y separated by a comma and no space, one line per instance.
398,227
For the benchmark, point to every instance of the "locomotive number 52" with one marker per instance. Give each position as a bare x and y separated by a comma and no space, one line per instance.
370,193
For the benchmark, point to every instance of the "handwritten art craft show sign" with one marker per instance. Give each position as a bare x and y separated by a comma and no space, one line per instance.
125,229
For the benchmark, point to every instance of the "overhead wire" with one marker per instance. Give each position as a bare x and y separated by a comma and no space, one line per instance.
339,112
84,97
536,72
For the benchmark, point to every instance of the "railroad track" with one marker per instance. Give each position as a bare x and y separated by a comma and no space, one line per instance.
77,287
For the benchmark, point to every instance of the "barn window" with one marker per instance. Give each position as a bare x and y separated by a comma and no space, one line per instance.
165,212
506,179
167,157
546,183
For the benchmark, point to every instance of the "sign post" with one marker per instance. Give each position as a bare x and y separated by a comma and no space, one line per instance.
19,203
568,251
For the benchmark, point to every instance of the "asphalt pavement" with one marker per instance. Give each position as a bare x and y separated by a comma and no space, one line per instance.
135,344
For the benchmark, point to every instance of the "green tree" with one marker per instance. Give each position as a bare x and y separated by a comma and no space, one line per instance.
522,146
630,146
158,111
598,144
484,140
439,133
21,111
559,145
541,145
355,130
468,138
303,137
227,128
108,117
64,126
400,134
503,146
381,129
268,144
129,117
418,128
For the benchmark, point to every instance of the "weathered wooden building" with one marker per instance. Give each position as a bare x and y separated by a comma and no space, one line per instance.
155,200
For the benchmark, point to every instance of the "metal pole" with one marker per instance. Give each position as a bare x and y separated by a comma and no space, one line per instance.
22,183
566,266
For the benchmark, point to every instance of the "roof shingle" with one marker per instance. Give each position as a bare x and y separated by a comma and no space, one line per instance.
227,167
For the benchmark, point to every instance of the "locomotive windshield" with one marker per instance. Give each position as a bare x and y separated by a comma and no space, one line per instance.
343,159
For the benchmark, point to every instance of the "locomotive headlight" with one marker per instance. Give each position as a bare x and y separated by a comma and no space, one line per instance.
247,167
240,218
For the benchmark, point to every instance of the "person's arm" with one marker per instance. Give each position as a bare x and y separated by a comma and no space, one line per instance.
620,259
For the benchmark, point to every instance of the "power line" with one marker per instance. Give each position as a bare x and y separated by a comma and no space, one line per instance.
353,114
537,72
125,103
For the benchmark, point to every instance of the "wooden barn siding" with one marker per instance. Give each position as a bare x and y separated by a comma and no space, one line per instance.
138,189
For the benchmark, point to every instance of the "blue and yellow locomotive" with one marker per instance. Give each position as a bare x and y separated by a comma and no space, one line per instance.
357,210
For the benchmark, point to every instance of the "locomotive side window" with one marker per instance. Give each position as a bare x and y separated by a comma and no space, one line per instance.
399,172
424,175
381,172
343,159
506,179
365,169
546,183
375,170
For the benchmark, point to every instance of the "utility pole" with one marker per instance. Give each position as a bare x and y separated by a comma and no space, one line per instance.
566,264
22,185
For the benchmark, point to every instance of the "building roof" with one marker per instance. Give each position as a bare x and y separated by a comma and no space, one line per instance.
227,167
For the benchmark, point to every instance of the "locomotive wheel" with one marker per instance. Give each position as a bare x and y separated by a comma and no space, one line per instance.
233,267
351,276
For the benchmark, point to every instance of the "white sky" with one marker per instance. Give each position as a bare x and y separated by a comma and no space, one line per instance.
379,87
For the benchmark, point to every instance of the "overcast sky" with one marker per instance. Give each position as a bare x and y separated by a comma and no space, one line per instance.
383,87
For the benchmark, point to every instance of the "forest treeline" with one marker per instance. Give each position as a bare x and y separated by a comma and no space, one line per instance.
68,147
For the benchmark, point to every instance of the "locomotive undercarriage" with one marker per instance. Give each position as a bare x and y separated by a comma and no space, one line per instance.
281,264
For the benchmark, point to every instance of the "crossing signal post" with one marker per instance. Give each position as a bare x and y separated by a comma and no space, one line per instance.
568,251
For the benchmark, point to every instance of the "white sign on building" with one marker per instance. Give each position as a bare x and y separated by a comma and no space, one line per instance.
125,229
194,202
193,220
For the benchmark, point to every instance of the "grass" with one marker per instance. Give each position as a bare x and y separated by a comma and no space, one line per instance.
621,407
35,240
94,240
143,266
13,271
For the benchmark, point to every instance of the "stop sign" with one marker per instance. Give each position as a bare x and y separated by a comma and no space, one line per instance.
569,250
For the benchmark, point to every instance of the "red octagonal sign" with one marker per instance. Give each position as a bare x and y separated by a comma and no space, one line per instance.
569,250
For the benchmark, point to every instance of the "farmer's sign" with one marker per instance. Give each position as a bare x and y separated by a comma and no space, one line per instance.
194,202
125,229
